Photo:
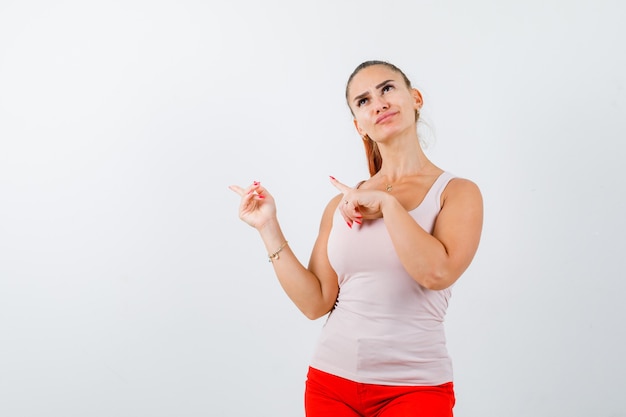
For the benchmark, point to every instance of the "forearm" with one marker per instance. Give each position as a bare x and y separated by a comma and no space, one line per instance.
300,284
423,256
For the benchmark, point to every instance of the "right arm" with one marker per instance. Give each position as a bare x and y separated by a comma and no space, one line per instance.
312,289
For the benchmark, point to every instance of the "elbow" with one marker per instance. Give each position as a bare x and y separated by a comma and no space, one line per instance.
312,316
315,313
436,280
436,286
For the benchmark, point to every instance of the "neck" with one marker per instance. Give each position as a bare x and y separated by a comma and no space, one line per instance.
399,163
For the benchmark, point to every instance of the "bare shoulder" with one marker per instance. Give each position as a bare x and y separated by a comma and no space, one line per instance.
327,216
333,203
461,189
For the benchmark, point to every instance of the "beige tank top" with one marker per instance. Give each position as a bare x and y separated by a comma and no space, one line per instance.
385,328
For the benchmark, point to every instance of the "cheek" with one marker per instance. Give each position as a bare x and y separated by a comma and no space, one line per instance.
361,124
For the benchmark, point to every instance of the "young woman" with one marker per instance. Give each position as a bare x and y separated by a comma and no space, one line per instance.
386,257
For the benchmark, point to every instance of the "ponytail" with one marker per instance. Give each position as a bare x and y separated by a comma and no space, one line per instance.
374,159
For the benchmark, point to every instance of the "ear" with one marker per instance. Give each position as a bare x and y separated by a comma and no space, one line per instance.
358,129
417,97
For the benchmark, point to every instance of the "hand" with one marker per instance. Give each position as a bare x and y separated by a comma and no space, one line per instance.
257,205
357,205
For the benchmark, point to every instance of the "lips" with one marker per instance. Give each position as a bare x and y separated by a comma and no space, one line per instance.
385,116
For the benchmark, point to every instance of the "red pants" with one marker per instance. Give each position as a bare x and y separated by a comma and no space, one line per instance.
328,395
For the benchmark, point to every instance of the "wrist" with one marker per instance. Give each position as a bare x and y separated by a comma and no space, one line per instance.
272,235
269,227
388,202
276,254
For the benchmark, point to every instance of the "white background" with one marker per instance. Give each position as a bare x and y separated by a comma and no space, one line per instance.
129,287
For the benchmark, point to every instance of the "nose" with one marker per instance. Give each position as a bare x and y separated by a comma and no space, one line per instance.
381,105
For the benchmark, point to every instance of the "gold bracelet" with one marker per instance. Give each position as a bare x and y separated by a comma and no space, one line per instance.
274,255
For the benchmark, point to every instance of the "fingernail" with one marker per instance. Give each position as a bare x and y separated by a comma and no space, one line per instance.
358,222
349,224
332,178
256,182
261,196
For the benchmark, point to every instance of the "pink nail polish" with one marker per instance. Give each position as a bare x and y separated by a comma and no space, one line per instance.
332,178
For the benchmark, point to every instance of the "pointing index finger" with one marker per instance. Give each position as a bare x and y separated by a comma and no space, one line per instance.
236,189
338,185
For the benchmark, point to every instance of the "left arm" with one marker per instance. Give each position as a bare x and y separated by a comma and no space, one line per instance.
436,261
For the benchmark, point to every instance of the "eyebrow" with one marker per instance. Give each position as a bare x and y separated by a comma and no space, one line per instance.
363,95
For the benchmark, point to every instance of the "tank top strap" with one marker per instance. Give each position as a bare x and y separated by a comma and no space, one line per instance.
439,186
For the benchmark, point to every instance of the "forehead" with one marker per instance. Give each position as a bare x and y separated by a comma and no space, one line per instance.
368,78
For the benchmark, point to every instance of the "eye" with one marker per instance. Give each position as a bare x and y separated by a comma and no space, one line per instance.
386,88
361,102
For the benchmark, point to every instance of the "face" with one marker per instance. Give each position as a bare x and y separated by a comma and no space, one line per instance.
382,103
